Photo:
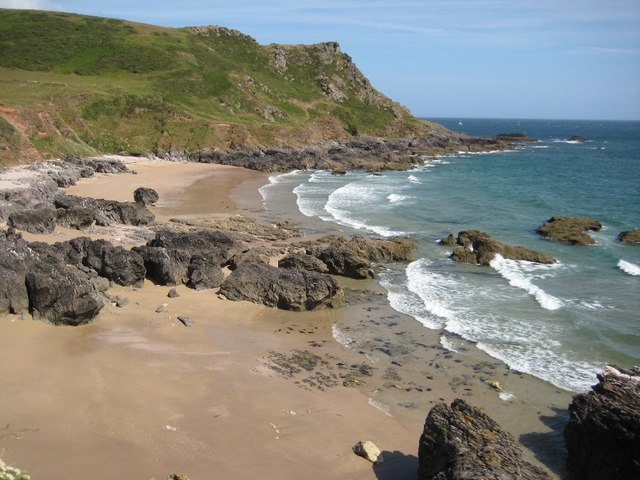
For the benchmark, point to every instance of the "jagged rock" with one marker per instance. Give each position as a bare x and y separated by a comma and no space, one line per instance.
303,262
368,450
342,260
603,434
80,218
103,212
162,268
14,262
123,267
448,240
570,229
40,220
630,236
204,272
145,196
281,288
252,255
478,247
460,442
61,294
396,249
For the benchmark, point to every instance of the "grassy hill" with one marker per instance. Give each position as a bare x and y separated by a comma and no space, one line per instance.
73,84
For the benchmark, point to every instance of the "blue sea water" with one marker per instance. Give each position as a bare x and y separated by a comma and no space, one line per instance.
561,323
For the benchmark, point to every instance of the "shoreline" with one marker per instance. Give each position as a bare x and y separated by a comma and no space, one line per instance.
130,357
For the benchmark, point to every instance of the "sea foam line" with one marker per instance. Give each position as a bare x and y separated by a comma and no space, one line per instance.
629,268
513,272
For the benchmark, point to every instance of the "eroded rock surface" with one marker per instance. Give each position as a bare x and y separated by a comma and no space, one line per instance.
570,229
630,236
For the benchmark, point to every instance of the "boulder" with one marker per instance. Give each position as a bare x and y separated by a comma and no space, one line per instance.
603,434
76,217
61,294
303,262
460,442
282,288
252,255
570,229
39,220
103,212
630,236
162,267
448,240
478,247
14,260
145,196
204,272
396,249
123,267
342,260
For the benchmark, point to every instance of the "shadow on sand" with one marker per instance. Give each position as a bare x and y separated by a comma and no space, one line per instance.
397,466
549,447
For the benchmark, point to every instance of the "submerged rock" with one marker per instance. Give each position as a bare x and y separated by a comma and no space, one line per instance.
570,229
459,442
603,434
282,288
478,247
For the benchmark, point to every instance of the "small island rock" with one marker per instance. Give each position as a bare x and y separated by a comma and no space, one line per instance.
630,236
570,229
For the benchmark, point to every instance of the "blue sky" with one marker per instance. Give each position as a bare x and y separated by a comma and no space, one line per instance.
443,58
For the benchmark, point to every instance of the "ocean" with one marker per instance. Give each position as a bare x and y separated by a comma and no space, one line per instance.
560,323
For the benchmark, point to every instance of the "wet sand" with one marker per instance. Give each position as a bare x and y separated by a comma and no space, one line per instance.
136,394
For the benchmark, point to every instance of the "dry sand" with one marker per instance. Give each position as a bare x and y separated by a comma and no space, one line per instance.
136,394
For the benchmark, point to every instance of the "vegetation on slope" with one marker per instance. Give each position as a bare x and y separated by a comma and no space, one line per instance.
72,84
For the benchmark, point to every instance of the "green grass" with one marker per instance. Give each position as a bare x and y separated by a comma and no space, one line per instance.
113,85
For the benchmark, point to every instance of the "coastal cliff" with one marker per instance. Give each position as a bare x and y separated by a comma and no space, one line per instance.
80,85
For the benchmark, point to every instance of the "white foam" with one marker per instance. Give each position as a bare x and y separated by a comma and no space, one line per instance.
540,146
380,406
413,179
447,344
506,396
514,271
341,337
558,140
629,268
275,180
397,198
431,287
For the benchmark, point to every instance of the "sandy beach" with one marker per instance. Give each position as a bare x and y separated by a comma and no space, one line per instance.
136,394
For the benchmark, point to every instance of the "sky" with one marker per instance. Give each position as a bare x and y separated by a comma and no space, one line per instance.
555,59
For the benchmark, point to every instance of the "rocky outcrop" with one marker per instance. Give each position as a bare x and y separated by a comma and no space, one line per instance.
40,220
102,212
342,260
478,247
459,442
282,288
515,137
603,434
303,262
630,236
259,254
145,196
577,138
123,267
169,257
570,229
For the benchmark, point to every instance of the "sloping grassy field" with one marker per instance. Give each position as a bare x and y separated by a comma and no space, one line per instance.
73,84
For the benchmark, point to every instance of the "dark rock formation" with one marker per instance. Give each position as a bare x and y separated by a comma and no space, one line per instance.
397,249
40,220
449,240
282,288
15,258
603,434
630,236
123,267
342,260
478,247
303,262
570,229
145,196
103,212
204,272
515,137
251,255
168,257
577,138
460,442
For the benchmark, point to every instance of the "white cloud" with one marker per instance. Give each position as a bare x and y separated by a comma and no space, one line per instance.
28,4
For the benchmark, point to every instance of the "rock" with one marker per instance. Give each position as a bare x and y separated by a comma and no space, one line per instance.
204,272
342,260
123,267
103,212
161,308
368,450
303,262
515,137
120,301
630,236
163,269
577,138
15,258
252,255
569,229
281,288
40,220
478,247
603,434
460,442
177,476
61,295
186,321
396,249
173,293
448,240
80,218
145,196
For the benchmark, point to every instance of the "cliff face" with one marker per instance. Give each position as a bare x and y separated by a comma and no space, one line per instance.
72,84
